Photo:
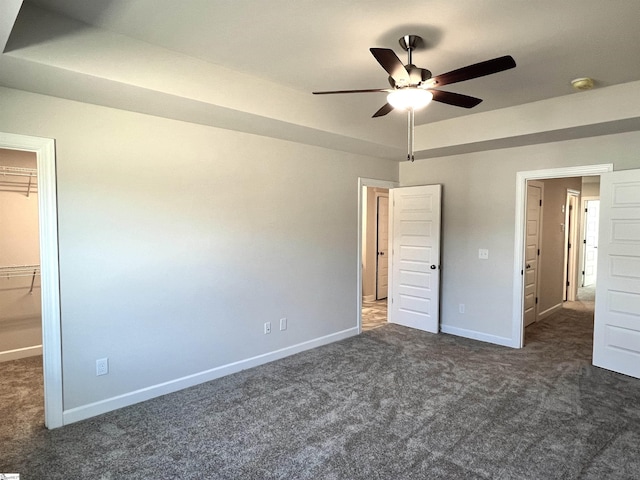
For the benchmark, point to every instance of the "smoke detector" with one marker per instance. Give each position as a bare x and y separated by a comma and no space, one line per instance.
585,83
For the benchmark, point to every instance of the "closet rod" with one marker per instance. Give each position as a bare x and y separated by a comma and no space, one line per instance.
21,271
20,172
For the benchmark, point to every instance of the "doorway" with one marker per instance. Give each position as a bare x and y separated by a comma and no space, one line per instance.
371,312
20,305
44,150
375,242
519,263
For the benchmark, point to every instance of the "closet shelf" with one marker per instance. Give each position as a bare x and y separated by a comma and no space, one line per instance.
28,174
21,271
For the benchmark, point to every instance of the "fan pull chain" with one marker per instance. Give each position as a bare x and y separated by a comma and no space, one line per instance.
410,146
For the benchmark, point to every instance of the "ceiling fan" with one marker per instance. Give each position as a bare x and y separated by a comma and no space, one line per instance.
413,88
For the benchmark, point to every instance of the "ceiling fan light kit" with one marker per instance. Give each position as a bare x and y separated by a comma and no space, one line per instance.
413,88
409,97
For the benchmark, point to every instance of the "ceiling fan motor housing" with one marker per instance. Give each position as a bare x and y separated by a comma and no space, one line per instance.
416,74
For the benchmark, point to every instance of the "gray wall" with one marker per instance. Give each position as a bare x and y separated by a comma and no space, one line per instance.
178,241
479,195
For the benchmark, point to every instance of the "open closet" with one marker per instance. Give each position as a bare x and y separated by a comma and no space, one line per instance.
20,304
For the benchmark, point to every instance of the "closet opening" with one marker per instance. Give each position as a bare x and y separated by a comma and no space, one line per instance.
20,302
21,364
30,328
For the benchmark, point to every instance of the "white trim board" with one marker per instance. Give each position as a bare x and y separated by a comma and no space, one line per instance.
474,335
517,330
44,148
20,353
549,311
91,410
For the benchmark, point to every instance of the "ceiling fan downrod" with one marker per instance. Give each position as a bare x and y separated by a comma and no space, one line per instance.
408,43
410,146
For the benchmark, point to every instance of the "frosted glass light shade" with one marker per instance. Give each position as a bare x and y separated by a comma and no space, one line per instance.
409,97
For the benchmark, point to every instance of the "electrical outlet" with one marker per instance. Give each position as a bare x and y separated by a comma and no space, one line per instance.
483,254
102,366
283,323
267,328
461,308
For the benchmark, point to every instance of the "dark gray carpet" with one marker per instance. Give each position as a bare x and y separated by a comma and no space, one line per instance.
392,403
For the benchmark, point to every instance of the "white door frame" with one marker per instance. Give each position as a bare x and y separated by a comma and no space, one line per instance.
378,196
517,330
365,182
44,148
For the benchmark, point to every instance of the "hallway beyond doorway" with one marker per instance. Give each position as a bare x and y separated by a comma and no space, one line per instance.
374,314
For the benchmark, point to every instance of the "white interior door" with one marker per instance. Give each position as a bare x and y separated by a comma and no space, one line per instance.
382,262
616,341
415,257
531,252
592,215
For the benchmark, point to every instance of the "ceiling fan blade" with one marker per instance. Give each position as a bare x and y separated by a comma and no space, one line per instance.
386,108
476,70
455,99
392,64
353,91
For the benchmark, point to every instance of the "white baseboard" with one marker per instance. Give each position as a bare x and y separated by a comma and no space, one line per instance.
91,410
20,353
549,311
483,337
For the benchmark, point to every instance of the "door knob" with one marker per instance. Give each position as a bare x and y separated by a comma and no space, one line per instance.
432,267
380,253
528,266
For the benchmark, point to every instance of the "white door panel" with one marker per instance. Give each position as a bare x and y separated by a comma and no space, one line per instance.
415,261
530,267
616,343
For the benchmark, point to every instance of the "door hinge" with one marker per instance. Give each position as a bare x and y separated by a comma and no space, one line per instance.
538,251
569,245
583,272
570,207
568,284
586,210
540,202
584,241
521,272
536,300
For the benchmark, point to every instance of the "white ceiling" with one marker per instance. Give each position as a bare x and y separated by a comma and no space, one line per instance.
308,45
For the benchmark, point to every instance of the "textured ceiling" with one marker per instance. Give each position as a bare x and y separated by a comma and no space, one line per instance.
323,45
310,45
